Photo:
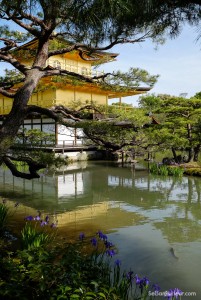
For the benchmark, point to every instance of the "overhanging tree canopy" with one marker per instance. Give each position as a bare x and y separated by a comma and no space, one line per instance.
88,26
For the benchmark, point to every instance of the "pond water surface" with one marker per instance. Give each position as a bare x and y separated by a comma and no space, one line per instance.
155,222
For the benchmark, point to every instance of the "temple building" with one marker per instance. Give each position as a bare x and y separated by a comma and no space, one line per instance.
65,90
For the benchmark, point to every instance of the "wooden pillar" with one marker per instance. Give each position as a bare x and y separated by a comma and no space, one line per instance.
75,136
120,101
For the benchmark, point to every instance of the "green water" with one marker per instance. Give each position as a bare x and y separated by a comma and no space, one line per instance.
144,216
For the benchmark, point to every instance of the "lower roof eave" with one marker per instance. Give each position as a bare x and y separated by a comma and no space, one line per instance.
128,93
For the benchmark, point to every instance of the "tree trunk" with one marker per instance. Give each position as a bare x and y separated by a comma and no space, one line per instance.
196,152
191,150
190,154
174,154
13,121
15,118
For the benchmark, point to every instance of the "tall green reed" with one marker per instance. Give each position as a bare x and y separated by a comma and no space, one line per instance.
3,217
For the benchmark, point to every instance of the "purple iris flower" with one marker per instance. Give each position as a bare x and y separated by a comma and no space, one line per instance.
43,223
110,252
102,236
81,236
108,244
170,294
37,218
129,275
47,219
117,263
137,279
99,233
156,287
94,242
145,281
177,292
29,218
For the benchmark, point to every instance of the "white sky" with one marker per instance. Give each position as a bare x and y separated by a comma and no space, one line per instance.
178,62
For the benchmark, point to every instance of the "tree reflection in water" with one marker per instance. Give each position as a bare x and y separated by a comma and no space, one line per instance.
145,215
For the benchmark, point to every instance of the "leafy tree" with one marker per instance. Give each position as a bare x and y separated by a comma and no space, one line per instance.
197,95
180,125
149,102
88,26
123,129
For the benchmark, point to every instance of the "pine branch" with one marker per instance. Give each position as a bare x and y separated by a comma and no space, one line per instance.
14,62
34,19
18,21
58,113
33,166
9,44
6,93
49,71
83,48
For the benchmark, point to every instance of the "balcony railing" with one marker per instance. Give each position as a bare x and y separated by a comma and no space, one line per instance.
87,71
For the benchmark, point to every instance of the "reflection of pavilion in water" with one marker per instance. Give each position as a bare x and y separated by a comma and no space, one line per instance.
81,181
108,197
77,202
74,186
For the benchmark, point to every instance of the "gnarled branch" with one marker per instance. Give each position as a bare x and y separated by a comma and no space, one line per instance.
59,113
86,49
33,167
9,44
6,94
14,62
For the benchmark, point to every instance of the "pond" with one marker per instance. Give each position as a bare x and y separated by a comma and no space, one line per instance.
155,222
